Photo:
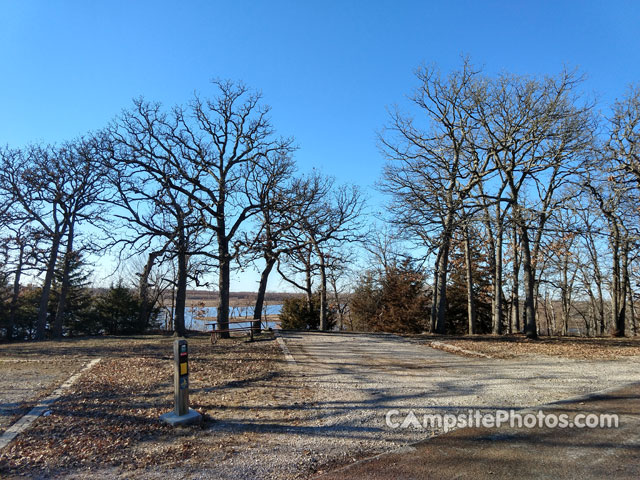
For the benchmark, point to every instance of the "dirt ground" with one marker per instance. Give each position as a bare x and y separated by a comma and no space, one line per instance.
107,424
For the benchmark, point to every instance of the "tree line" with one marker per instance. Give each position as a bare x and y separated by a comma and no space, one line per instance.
533,190
182,193
512,207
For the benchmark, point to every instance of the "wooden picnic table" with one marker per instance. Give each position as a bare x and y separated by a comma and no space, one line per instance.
216,331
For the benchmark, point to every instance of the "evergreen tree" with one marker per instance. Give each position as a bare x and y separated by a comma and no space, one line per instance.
27,311
395,301
78,317
118,311
457,313
364,304
405,305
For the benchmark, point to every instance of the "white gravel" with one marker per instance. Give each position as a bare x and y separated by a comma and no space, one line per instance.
361,377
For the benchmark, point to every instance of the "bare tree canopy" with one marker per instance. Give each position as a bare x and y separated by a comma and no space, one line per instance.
216,159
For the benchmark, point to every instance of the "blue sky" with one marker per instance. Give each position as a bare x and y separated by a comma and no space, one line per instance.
328,69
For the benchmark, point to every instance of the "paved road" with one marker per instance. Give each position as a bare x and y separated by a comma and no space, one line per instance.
366,376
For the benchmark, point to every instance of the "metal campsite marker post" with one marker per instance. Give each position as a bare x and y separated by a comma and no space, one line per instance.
181,377
181,414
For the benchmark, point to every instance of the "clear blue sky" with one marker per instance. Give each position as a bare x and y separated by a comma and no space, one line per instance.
329,69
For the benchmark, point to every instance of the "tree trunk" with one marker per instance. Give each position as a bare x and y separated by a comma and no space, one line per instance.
617,310
554,322
13,308
497,285
530,326
339,306
308,283
143,289
262,290
441,304
546,313
566,295
323,293
41,322
181,292
515,299
224,283
471,304
536,303
601,318
632,307
434,295
624,277
592,312
64,287
598,311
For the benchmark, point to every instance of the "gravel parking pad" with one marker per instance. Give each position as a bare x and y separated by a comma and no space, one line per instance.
24,382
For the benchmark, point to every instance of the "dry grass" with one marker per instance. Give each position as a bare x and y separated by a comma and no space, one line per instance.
512,346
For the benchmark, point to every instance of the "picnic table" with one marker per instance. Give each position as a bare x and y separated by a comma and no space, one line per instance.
216,331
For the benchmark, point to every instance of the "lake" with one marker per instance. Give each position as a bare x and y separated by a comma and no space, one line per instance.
201,325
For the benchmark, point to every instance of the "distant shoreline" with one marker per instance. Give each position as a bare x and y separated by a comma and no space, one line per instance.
203,298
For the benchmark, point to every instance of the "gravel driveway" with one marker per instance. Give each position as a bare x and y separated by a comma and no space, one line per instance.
360,377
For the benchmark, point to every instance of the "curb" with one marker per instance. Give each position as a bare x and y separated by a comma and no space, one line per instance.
285,350
446,347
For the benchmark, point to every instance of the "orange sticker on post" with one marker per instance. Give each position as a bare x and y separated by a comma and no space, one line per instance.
183,368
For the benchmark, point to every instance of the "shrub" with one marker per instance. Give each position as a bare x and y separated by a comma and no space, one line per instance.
118,311
391,301
296,314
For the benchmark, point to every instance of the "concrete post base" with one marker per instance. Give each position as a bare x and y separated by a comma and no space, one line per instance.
176,420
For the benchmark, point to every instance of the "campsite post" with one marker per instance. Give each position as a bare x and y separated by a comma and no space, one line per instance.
181,414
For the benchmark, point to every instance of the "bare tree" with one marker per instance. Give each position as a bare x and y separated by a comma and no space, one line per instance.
332,220
212,154
150,201
431,172
37,185
84,190
618,200
623,146
233,140
283,209
334,223
536,134
618,209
